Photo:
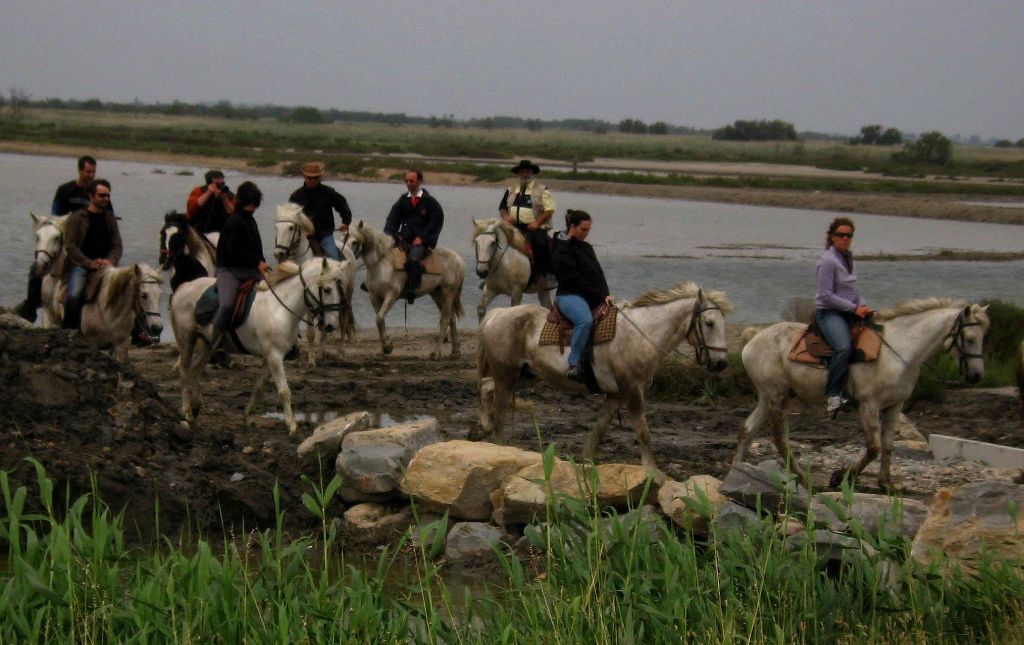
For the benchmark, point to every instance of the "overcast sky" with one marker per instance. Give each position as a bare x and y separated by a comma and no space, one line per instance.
957,67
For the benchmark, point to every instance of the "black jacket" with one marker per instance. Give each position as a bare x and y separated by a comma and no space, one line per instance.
319,205
240,245
424,221
578,272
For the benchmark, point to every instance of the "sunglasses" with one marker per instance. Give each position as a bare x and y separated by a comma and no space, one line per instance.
847,235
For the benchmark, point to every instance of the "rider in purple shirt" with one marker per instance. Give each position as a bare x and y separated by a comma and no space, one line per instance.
837,304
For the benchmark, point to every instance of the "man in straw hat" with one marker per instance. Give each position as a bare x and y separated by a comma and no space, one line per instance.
319,202
528,206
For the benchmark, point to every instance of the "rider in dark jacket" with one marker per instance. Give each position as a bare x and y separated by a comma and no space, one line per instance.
239,254
415,221
581,285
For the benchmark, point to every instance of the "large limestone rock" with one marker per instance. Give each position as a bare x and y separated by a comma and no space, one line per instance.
892,515
373,523
326,439
768,481
682,502
371,462
522,498
732,517
967,521
460,476
472,541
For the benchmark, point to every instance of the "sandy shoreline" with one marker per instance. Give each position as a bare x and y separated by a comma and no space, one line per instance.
951,207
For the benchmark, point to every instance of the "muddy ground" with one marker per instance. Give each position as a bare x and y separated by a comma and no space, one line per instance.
81,415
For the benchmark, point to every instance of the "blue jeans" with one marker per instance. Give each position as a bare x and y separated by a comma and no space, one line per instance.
330,247
576,309
77,279
835,327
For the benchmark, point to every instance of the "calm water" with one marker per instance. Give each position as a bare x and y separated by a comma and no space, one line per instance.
763,257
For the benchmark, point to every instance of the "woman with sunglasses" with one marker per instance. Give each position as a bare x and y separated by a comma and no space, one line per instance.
837,303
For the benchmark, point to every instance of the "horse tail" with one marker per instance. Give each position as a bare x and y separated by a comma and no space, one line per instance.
457,309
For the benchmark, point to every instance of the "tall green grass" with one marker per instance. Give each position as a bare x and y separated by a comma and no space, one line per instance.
600,579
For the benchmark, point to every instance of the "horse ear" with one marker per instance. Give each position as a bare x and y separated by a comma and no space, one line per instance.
700,295
35,220
323,265
359,226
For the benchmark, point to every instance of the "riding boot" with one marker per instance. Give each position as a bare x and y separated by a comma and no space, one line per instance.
72,314
414,276
33,298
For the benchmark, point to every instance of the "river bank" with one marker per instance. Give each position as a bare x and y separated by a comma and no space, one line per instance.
915,205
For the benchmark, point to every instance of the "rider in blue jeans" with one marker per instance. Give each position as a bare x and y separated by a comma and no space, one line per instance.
837,304
581,285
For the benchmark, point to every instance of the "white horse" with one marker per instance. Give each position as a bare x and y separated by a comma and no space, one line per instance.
914,332
125,295
49,235
647,330
292,228
184,252
503,263
385,283
290,294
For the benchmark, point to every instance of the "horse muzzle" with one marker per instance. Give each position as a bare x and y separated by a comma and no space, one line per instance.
974,376
717,366
481,271
279,255
329,328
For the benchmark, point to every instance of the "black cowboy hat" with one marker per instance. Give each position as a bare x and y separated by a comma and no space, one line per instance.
526,164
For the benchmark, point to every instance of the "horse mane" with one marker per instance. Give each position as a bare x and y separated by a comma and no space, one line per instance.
515,237
60,221
149,273
120,289
382,243
292,212
678,292
921,305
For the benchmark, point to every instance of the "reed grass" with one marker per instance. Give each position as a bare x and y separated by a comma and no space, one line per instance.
604,578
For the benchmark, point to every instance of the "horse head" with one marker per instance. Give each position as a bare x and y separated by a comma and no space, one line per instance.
147,299
291,224
707,330
485,244
173,238
331,293
49,234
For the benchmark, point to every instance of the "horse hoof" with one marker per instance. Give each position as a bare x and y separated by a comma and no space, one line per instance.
836,481
292,429
434,356
388,349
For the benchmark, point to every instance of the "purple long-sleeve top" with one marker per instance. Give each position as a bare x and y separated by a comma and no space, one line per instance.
837,285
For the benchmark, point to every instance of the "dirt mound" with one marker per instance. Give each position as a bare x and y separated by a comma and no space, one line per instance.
82,416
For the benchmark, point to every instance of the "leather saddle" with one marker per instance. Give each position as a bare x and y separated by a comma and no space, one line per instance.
207,305
812,349
557,328
431,264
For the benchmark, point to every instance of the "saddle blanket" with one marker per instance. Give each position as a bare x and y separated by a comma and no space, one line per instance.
432,264
557,329
811,349
207,304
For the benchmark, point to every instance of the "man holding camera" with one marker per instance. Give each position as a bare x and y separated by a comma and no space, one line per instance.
209,205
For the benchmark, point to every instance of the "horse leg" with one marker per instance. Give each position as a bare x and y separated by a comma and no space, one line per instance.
869,421
604,416
275,367
749,430
517,296
185,376
501,399
257,392
780,435
382,306
890,417
544,296
485,299
314,342
453,328
443,319
635,405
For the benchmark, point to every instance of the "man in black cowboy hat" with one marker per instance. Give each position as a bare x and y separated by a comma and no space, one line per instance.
529,206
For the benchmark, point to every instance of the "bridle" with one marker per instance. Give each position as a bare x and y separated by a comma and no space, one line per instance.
702,349
141,313
51,257
297,237
315,303
495,257
959,342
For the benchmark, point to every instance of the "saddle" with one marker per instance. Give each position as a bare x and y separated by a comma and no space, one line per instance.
557,328
207,305
812,349
431,264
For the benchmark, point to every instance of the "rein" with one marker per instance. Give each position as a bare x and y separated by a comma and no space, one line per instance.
497,244
316,306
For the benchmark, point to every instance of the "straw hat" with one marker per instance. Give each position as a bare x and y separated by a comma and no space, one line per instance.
313,169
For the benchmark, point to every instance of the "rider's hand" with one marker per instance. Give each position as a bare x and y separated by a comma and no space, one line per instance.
862,310
263,267
418,241
99,263
343,228
212,188
533,226
610,299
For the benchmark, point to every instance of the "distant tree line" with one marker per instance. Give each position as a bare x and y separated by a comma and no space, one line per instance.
763,130
873,135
